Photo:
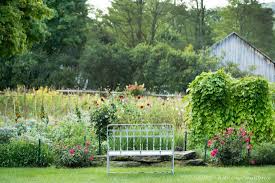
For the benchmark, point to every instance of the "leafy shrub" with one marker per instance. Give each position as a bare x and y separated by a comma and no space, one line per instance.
24,154
76,156
70,132
6,134
210,104
101,117
252,105
219,101
135,89
230,148
264,154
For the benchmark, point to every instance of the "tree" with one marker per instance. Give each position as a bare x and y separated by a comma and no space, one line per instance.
250,20
165,69
68,27
55,61
22,24
136,21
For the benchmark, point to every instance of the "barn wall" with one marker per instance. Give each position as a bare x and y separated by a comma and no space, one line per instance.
233,49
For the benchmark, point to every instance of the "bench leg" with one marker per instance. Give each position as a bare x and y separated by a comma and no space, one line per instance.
108,164
173,165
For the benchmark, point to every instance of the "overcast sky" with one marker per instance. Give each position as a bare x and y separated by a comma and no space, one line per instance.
103,4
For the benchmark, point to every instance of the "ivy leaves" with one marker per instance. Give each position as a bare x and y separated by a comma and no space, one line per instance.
219,101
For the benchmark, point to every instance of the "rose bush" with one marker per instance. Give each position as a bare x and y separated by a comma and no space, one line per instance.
231,147
76,156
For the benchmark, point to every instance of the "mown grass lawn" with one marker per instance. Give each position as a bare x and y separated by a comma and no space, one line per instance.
98,175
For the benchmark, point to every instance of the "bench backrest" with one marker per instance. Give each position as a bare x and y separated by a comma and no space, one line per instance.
140,137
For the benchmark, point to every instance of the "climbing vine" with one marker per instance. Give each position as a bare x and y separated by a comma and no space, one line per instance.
218,101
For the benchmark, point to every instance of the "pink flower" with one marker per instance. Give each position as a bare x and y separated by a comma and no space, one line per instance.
86,151
229,131
249,147
91,158
78,147
72,151
214,152
88,143
247,139
209,143
222,142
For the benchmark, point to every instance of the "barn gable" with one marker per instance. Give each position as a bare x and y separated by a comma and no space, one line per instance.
235,49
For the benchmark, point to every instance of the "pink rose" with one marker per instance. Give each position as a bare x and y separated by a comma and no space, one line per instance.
209,143
230,131
214,152
88,143
91,158
86,151
72,151
247,139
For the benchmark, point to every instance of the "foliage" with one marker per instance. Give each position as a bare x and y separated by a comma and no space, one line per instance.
140,41
19,153
53,62
69,133
252,106
22,24
135,22
135,89
76,156
101,117
230,147
250,20
210,104
264,154
106,66
233,69
218,101
61,109
164,69
6,134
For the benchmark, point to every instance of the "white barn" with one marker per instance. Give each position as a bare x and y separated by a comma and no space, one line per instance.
237,50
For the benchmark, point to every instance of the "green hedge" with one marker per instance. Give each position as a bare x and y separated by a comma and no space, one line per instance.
24,154
218,101
264,154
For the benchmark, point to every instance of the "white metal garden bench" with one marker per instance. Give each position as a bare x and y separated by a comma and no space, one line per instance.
140,140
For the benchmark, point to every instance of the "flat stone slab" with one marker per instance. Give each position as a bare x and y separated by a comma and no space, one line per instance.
192,162
126,164
185,155
143,159
147,159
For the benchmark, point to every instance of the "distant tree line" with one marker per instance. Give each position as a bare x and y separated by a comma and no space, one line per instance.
161,43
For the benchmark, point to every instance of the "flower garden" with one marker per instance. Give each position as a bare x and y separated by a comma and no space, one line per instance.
226,123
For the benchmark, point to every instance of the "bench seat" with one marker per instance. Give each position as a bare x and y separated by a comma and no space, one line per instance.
141,153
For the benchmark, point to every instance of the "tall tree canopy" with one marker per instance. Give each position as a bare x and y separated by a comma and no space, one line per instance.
22,23
250,20
161,43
